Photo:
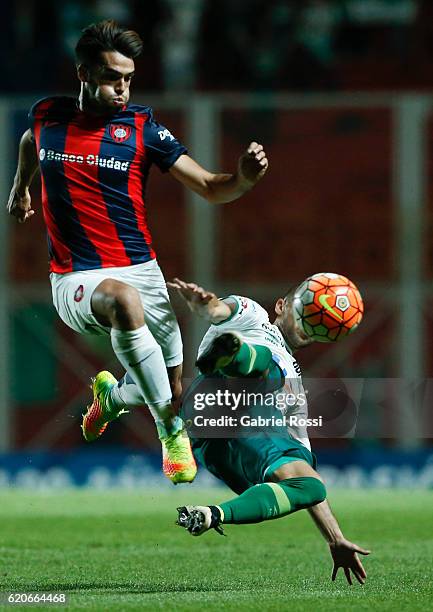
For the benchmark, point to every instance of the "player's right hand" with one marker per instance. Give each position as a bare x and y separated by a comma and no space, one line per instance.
20,205
345,555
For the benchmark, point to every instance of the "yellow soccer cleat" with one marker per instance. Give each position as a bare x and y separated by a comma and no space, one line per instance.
99,413
178,462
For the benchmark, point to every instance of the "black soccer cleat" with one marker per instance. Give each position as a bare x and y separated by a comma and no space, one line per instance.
199,519
219,354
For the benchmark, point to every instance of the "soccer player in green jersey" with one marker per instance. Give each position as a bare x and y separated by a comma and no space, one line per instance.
273,473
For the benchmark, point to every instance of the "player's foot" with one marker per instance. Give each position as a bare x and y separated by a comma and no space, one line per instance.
199,519
219,354
178,462
99,414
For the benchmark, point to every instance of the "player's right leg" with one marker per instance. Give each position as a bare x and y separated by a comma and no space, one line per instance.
228,354
118,305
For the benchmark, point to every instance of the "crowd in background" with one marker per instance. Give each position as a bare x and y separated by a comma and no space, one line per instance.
296,45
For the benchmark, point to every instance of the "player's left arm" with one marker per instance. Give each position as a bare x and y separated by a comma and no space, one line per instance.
202,302
220,188
343,552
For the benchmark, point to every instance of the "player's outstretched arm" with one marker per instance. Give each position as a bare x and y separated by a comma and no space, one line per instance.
19,203
344,553
202,302
220,188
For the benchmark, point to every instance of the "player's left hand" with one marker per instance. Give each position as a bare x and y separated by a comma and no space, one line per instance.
344,555
192,293
253,163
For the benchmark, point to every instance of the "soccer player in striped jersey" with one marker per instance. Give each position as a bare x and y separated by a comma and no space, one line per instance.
272,470
94,154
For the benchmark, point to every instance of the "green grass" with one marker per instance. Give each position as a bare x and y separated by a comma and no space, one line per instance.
121,551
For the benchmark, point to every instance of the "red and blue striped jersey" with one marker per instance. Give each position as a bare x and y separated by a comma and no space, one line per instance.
94,172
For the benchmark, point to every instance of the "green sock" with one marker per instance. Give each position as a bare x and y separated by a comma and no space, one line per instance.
250,360
272,500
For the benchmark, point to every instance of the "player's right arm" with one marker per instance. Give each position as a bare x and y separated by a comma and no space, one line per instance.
19,203
343,552
202,302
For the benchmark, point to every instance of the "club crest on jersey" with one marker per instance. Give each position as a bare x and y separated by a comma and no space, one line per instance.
79,294
120,133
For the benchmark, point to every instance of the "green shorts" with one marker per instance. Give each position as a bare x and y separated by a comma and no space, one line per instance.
242,462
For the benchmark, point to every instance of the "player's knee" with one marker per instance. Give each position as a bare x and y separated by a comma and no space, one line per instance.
124,306
316,491
304,491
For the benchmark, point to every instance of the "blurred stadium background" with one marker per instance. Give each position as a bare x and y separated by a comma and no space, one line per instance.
340,94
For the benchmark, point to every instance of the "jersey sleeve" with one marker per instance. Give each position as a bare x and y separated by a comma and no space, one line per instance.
162,148
247,314
38,112
32,117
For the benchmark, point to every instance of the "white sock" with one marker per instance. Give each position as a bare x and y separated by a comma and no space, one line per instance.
141,356
126,393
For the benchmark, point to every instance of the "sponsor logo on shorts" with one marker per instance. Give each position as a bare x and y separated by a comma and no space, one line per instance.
79,294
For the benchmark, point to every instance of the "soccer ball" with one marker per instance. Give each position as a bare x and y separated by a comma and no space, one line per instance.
328,307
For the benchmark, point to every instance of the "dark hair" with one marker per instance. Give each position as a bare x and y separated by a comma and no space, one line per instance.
290,293
106,35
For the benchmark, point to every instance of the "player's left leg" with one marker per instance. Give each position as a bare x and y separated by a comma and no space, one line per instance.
126,394
292,486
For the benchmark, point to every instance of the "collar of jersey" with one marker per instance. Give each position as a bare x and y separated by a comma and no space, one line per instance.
121,110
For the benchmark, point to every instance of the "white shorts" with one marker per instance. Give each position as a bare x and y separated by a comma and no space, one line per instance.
72,294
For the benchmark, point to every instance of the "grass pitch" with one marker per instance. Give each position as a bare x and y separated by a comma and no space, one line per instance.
121,551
